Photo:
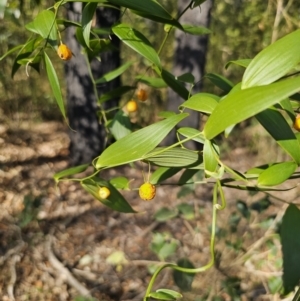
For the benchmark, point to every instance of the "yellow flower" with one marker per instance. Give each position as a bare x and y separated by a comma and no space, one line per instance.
64,52
147,191
104,192
142,95
297,123
131,106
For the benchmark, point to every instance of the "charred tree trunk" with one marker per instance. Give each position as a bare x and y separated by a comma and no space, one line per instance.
190,53
87,134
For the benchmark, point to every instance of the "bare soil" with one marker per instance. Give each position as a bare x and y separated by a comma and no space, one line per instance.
56,241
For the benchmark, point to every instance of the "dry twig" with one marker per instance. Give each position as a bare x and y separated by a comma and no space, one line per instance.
64,271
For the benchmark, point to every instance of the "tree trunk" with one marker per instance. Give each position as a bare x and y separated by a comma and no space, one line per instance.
86,133
190,52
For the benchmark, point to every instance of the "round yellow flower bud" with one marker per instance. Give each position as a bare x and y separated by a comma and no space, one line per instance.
104,192
142,95
297,123
64,52
147,191
131,106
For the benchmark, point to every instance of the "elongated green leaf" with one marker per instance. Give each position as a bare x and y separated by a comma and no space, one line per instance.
281,131
186,78
44,25
114,201
148,9
113,74
202,102
114,93
170,23
287,106
154,82
25,52
10,51
70,171
162,173
136,145
243,104
120,183
243,63
120,125
276,174
184,280
137,41
175,294
220,81
87,19
161,296
192,133
209,157
195,30
55,86
174,84
273,62
197,3
290,241
174,157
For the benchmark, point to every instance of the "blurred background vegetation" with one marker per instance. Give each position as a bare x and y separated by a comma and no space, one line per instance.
240,29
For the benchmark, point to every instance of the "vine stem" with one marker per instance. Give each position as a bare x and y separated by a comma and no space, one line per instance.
216,207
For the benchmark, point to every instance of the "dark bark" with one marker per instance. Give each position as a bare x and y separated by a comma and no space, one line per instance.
190,53
87,135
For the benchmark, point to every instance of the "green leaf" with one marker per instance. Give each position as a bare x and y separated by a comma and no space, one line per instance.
136,145
120,182
273,62
87,19
10,51
137,41
44,25
115,93
195,30
54,83
174,84
202,102
209,157
243,63
261,205
174,157
184,280
187,176
276,174
25,52
196,3
187,211
165,214
161,296
186,78
243,104
192,133
120,125
162,173
167,249
281,131
154,82
220,81
290,241
170,292
148,9
114,201
70,171
113,74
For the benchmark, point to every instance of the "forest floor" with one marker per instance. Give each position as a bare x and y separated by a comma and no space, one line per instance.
58,243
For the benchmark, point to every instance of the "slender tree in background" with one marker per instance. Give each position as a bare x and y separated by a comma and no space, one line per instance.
194,48
86,133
